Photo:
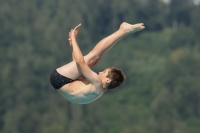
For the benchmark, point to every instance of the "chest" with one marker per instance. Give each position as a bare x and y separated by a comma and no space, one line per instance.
81,91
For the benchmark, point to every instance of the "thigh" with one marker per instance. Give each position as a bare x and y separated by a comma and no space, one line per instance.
71,70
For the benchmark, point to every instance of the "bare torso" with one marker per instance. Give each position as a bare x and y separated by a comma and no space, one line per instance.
81,91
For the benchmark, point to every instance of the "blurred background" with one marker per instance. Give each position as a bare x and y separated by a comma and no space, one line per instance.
162,65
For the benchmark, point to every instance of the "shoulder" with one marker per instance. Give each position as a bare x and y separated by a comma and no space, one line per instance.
96,89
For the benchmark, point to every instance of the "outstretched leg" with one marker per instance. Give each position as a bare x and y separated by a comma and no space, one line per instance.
107,43
71,71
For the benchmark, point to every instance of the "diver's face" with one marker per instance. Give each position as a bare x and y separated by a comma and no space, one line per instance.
104,73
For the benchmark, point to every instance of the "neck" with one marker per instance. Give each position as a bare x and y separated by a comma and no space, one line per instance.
104,87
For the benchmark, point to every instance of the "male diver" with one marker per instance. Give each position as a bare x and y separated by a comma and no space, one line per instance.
76,81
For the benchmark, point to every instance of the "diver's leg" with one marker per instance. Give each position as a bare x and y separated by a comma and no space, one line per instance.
107,43
71,71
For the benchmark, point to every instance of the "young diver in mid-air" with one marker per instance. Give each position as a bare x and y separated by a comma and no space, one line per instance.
76,81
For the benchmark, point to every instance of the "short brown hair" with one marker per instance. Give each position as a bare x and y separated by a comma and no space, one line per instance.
117,77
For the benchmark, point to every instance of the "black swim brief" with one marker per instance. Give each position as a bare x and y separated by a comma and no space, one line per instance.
58,81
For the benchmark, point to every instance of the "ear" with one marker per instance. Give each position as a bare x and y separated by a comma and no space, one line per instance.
108,80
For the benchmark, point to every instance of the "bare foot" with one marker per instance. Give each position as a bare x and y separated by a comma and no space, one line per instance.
129,28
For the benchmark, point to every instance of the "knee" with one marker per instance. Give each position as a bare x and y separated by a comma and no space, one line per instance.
91,59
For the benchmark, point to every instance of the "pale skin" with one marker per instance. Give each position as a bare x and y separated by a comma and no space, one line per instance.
90,86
